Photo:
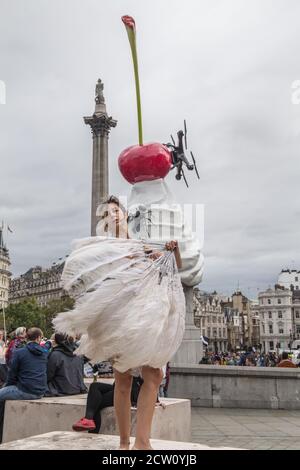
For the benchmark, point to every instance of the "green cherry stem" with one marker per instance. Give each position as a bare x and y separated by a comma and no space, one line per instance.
130,28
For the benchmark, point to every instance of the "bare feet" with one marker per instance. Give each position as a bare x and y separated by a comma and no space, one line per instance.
146,447
124,446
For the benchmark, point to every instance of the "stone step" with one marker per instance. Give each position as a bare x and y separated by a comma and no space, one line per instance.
173,422
63,440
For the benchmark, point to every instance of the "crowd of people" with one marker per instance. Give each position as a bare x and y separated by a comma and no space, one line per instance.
32,367
250,358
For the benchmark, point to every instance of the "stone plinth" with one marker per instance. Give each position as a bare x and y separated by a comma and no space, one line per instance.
31,417
83,441
191,349
237,387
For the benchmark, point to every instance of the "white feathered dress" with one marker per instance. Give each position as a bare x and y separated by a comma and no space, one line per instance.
130,310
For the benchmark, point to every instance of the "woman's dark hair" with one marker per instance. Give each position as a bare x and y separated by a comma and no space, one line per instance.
60,338
111,200
114,200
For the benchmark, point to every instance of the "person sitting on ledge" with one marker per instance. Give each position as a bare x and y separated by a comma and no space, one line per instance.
65,369
101,395
285,361
17,342
27,376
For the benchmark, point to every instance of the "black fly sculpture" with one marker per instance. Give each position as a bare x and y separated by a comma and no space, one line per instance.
140,219
178,155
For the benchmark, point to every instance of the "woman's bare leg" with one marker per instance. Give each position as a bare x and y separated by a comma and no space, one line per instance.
122,404
145,406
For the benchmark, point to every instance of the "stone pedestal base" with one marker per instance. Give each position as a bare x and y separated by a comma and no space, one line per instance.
31,417
191,348
60,440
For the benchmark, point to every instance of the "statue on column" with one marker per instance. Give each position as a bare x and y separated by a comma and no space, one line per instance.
99,98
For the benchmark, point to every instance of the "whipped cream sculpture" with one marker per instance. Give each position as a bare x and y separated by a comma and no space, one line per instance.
153,211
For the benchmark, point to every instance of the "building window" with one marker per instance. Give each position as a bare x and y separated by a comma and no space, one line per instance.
279,301
297,287
296,278
271,344
279,314
269,301
270,314
298,329
263,328
281,331
271,329
297,314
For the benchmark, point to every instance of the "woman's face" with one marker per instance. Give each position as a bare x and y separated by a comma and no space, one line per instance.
114,219
115,214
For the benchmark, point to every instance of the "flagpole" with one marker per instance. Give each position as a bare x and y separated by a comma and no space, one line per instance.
4,322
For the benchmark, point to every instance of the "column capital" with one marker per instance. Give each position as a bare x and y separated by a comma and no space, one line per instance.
100,124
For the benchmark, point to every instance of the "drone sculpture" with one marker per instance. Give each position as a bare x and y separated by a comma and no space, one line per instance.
178,155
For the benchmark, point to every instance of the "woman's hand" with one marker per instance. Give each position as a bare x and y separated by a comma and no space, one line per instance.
152,254
173,246
155,255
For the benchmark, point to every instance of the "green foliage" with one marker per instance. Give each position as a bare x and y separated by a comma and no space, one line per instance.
28,313
53,308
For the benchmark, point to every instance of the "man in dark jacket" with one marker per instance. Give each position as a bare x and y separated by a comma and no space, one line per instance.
27,376
65,369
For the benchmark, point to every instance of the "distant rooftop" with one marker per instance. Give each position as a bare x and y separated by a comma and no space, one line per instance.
290,271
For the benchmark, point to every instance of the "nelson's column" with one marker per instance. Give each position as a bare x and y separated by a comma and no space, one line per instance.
100,124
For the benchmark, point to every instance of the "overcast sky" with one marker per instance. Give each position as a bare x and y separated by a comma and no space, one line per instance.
227,66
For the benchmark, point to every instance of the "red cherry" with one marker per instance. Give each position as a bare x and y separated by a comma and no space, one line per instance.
145,162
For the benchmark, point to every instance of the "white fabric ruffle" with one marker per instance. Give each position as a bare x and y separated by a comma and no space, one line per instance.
130,310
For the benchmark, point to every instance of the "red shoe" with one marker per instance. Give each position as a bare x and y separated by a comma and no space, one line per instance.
84,424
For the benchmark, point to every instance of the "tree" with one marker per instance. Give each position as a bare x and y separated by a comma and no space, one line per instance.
29,313
26,313
53,308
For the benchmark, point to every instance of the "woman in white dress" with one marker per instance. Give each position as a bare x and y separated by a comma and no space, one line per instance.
134,327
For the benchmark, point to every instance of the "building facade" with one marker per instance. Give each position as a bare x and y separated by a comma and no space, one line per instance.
255,321
296,314
4,273
276,318
290,279
242,322
43,284
209,317
234,326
